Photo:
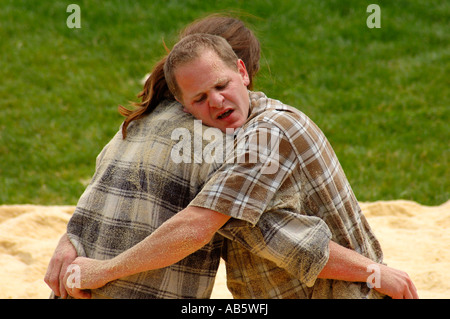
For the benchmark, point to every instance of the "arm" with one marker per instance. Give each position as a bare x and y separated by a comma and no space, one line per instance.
316,257
183,234
346,264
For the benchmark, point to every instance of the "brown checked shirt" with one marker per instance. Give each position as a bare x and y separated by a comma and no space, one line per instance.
284,217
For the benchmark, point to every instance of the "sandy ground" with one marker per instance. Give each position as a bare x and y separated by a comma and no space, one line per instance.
414,238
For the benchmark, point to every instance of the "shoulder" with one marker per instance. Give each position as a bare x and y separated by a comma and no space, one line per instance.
167,117
167,111
293,125
275,113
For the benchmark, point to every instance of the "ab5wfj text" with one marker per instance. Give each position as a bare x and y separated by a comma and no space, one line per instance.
235,308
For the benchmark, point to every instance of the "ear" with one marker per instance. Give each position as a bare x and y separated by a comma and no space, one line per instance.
184,109
243,72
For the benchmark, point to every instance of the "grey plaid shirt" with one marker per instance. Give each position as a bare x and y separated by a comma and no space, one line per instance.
135,189
284,218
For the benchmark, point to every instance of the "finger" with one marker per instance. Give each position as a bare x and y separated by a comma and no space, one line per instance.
412,292
62,286
74,291
62,289
52,276
407,294
80,294
67,287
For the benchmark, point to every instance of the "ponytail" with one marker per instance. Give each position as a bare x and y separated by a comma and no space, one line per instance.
154,92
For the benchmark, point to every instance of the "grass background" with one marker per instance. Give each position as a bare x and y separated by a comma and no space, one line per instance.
380,95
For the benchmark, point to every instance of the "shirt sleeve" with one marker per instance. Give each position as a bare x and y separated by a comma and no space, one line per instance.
253,172
294,242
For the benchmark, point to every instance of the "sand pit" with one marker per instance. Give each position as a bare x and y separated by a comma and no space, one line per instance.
414,238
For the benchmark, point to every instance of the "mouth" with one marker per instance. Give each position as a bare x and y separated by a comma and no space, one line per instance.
225,114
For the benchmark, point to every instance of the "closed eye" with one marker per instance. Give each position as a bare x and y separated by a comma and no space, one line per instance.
223,86
219,87
200,99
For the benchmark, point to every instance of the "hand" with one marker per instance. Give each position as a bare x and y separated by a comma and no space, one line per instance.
63,256
396,284
84,274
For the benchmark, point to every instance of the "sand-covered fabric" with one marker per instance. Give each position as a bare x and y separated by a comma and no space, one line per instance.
414,238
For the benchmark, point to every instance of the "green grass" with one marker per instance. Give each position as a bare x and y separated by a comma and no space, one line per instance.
380,95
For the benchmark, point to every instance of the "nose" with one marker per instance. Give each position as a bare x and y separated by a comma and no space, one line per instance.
216,100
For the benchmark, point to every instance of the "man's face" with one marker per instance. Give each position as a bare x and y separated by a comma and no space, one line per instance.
213,92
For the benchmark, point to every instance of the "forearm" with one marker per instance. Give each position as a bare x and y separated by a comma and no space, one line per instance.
348,265
183,234
345,264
